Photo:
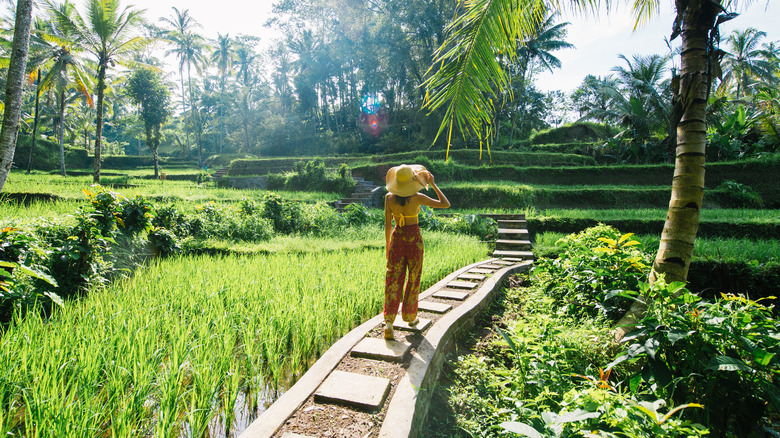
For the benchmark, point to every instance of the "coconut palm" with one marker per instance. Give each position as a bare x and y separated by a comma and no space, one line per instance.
58,56
109,35
189,48
746,63
535,53
14,87
466,70
224,56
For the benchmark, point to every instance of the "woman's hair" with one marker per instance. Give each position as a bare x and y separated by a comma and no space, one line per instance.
401,200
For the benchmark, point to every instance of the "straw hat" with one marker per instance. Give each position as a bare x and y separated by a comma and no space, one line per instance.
406,180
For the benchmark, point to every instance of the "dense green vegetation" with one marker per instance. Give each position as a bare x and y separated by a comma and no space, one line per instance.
692,367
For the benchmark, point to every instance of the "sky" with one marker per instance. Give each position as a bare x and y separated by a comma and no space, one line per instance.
598,41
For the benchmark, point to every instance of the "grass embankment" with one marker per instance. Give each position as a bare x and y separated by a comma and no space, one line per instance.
171,350
70,188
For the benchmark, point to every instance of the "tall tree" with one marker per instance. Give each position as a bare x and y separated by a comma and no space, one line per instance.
109,35
13,88
223,56
181,24
63,70
146,88
466,69
746,62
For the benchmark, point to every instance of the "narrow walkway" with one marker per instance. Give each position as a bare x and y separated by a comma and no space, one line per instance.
363,382
364,194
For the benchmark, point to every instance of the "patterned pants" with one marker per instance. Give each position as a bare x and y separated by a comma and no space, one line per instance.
406,254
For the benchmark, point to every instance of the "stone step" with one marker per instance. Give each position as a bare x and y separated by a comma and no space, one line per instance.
503,262
513,224
430,306
445,294
357,195
525,255
504,216
482,271
421,325
513,244
354,200
494,265
358,390
513,232
380,349
471,276
462,284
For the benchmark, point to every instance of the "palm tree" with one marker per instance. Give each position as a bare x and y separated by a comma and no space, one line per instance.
465,71
13,87
63,69
746,61
224,56
182,24
535,52
189,48
108,35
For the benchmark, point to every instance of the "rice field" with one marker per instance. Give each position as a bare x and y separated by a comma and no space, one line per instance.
71,187
189,344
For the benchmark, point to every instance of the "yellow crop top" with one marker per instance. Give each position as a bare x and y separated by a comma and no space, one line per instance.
400,219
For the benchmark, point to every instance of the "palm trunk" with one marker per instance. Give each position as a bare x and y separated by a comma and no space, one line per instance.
682,220
36,118
184,113
192,114
101,86
61,132
13,88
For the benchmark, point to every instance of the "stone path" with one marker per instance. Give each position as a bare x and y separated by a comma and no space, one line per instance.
364,386
365,193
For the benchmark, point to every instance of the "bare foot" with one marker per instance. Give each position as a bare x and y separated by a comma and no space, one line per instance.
415,322
389,332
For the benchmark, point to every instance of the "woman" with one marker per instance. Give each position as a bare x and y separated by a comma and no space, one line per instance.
404,244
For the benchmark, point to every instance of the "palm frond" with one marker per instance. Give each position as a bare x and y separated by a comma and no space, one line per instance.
469,70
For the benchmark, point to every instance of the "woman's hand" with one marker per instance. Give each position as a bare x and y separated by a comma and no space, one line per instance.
429,177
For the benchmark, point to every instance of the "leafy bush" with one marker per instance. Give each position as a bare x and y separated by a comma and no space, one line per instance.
595,270
686,348
731,194
358,214
163,242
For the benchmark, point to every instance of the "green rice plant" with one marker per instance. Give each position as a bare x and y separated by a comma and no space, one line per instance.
173,348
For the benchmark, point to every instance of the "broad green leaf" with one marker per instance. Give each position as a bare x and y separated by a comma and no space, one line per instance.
520,429
675,335
578,415
726,363
38,274
55,298
762,356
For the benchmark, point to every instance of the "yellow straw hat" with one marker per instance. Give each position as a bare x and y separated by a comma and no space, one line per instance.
406,180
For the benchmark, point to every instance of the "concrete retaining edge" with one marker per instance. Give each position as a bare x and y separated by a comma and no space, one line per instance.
408,407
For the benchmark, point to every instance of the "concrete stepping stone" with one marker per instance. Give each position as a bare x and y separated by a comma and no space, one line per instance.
430,306
481,271
503,262
477,277
507,253
462,284
366,392
492,265
380,349
515,260
400,324
451,295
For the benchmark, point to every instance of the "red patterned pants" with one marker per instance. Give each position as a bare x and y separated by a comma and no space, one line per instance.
405,255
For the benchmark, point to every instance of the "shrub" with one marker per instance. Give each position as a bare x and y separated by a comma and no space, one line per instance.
731,194
686,348
595,270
